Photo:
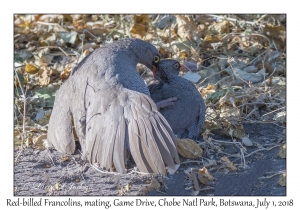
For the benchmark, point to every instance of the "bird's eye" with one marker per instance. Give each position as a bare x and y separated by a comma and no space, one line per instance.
156,59
176,65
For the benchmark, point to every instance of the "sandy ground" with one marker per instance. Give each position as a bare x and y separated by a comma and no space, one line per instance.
48,172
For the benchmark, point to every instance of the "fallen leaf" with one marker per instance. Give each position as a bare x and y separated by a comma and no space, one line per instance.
282,180
282,151
66,72
250,69
141,26
229,163
166,21
31,69
17,141
189,149
212,39
280,117
69,37
214,97
65,158
221,27
154,185
204,172
236,131
195,182
187,28
39,141
247,142
48,76
207,131
191,76
47,95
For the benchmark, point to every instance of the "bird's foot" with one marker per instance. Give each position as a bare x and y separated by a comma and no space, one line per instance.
164,103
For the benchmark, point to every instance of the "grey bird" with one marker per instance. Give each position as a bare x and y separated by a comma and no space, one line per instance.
112,111
187,115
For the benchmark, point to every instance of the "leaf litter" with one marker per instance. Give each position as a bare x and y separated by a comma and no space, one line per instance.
237,62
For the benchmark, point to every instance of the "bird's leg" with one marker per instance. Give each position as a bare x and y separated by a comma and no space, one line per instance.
166,102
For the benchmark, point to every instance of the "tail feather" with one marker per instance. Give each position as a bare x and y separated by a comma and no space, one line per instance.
60,132
128,121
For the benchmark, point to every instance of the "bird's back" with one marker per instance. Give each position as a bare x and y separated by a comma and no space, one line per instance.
186,116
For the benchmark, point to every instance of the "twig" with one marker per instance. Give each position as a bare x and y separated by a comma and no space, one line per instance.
236,74
232,19
253,110
257,57
191,161
257,121
268,177
50,156
31,128
263,149
243,158
104,172
24,111
273,111
116,173
56,47
51,24
211,76
206,188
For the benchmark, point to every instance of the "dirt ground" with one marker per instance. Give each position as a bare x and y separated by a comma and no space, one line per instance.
48,172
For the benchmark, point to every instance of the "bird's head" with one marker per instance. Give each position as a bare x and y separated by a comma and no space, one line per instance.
146,54
167,69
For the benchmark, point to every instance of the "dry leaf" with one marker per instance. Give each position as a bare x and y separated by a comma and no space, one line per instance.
124,189
247,142
221,27
204,173
164,52
48,76
31,69
65,158
282,180
191,76
79,25
39,141
280,117
229,163
186,27
141,26
207,131
212,39
66,72
282,151
154,185
189,149
195,182
236,131
204,176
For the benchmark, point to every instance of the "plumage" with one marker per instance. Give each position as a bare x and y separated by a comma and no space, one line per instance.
113,112
187,114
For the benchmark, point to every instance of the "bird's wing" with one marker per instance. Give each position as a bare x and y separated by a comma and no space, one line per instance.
119,119
60,133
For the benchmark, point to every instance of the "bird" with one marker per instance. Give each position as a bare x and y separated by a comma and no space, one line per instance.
186,116
112,111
